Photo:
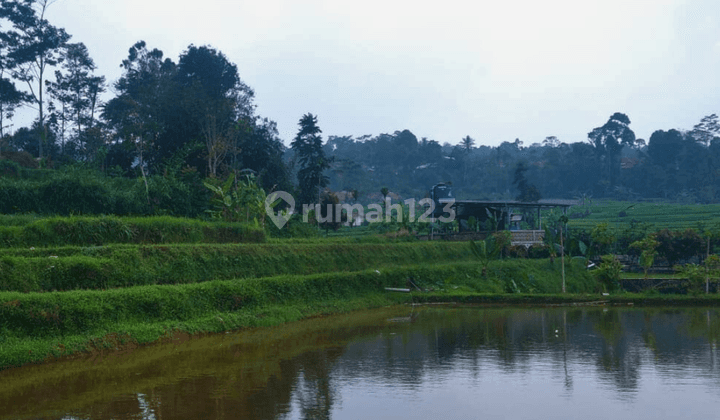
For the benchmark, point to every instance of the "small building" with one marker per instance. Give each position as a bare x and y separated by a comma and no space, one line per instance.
500,215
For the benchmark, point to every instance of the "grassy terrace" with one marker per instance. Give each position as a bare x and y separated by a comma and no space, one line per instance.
70,285
138,280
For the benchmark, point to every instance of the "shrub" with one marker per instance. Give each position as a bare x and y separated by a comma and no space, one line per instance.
24,159
679,246
539,251
695,274
9,169
608,273
517,251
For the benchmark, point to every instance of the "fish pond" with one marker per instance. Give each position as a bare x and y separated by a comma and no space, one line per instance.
401,362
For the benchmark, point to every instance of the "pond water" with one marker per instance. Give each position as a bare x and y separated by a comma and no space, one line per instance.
420,363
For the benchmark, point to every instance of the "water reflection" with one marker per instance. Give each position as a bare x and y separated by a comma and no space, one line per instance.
401,363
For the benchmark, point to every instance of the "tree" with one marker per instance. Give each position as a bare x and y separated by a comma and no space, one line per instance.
602,239
551,141
77,91
10,97
609,140
138,114
329,216
468,143
216,101
25,139
613,135
648,251
35,46
10,100
706,130
527,192
308,150
664,147
262,151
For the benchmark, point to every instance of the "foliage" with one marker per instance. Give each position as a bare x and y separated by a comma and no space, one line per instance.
602,238
241,201
648,251
485,251
518,251
699,275
608,273
80,191
676,246
77,92
502,241
331,217
307,146
539,251
527,192
33,46
695,274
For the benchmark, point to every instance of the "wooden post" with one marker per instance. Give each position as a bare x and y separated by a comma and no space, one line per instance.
707,269
539,219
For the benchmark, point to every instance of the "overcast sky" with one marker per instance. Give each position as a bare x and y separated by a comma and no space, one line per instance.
494,70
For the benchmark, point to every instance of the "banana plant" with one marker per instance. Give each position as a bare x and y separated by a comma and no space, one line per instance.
237,202
485,251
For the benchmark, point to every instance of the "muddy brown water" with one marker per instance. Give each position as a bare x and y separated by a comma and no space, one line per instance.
420,363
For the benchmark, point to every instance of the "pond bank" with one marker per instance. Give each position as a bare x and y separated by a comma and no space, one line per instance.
38,327
123,337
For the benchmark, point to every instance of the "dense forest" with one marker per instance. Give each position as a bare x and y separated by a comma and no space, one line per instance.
170,124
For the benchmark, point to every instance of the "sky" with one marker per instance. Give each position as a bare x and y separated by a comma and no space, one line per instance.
493,70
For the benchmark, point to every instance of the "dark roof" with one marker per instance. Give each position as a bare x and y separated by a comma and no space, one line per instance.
515,203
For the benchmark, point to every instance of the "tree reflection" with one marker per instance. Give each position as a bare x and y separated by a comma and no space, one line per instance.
302,373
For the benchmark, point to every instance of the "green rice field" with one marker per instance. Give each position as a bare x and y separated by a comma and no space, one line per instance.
655,216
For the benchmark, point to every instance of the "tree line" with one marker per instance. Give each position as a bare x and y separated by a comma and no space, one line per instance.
194,118
612,163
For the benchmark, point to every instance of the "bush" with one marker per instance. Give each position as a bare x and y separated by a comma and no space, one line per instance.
539,251
77,191
24,159
679,246
9,169
695,274
608,273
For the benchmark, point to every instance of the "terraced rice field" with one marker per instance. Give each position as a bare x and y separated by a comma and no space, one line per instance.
656,215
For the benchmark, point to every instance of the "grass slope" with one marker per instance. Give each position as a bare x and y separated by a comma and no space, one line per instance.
35,326
72,268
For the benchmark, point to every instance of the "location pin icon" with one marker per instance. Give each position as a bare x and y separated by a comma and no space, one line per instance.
280,218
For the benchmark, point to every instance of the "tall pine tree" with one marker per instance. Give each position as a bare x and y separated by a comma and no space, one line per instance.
308,150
